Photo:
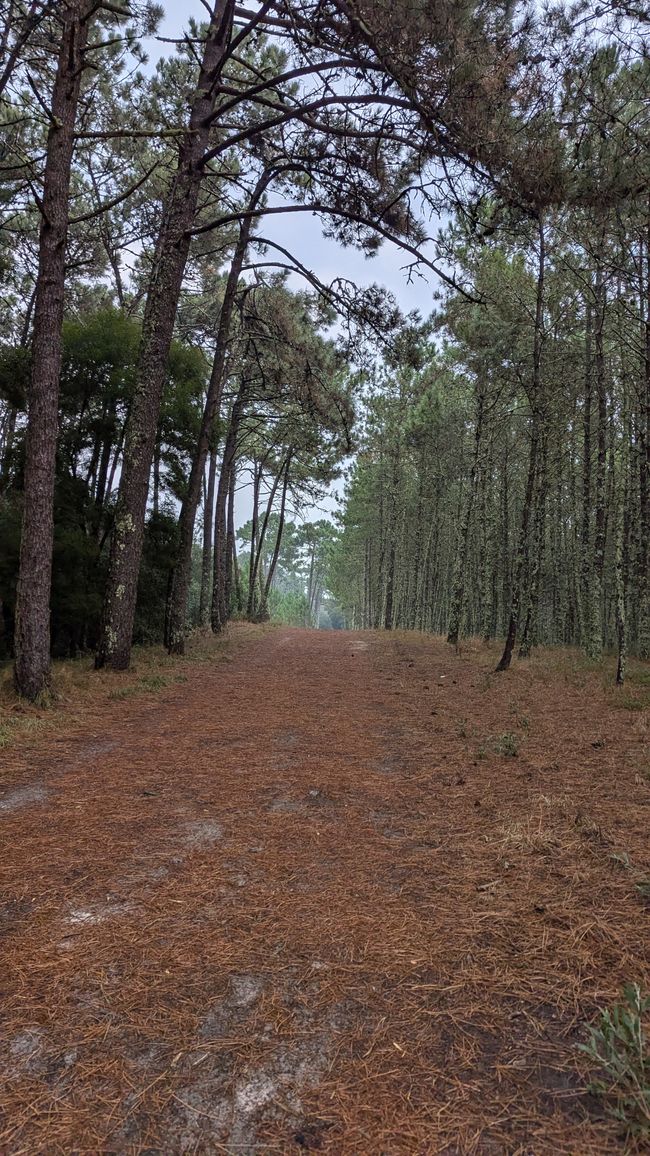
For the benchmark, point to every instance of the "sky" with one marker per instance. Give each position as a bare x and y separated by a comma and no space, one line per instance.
301,233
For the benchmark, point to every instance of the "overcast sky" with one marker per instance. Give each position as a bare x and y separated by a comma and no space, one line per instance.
301,233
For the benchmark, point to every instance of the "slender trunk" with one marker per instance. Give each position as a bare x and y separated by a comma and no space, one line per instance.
263,612
257,481
585,579
183,568
172,250
230,535
219,610
32,630
529,636
156,481
644,474
206,560
460,562
595,637
8,432
257,572
523,544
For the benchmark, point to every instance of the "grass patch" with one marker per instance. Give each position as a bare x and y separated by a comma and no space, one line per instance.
625,701
618,1047
507,745
76,685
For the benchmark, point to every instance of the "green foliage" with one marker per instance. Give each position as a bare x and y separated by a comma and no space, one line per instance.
507,744
288,608
97,379
618,1046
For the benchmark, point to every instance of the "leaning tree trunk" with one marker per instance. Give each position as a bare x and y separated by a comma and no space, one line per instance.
180,587
172,250
257,574
263,613
32,631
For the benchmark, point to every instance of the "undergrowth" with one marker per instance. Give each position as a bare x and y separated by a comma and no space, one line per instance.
618,1047
75,682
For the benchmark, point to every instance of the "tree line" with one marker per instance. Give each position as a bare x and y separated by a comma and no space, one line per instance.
155,350
503,484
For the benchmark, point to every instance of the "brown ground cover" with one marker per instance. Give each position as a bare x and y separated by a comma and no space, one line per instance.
351,893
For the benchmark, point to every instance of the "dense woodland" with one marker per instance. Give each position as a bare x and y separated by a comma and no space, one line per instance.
162,353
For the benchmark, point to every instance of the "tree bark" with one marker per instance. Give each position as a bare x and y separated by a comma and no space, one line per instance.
183,568
172,250
523,544
206,559
460,562
595,609
263,612
644,470
219,609
32,630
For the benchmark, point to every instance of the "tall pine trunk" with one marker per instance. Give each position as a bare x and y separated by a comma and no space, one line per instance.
206,556
170,259
263,612
219,610
644,467
523,546
595,609
183,568
32,630
460,562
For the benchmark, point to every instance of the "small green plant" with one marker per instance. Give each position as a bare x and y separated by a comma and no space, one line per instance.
153,682
618,1046
628,702
462,729
644,890
122,693
507,745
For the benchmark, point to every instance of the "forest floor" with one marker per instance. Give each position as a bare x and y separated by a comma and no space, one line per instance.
349,893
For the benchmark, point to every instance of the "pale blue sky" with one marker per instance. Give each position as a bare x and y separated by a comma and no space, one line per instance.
301,232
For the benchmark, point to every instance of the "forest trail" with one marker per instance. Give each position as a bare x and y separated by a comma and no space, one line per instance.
350,893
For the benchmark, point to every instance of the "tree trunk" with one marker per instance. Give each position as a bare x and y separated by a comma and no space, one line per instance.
460,561
523,544
206,559
172,250
257,570
32,631
644,474
263,612
595,609
219,610
230,536
183,568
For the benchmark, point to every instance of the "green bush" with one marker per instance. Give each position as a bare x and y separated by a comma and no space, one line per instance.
618,1046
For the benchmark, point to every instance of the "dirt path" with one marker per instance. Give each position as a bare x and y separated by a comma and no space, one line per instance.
346,892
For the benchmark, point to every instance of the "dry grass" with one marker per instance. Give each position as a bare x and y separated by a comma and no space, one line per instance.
78,689
283,906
